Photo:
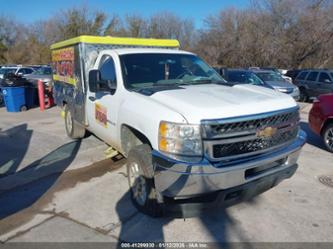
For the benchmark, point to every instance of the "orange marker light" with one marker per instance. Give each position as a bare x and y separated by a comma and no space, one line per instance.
163,144
163,129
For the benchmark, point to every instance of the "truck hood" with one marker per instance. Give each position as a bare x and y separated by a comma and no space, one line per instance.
198,102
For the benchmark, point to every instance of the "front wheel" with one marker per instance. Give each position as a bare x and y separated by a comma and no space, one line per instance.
73,130
328,137
141,180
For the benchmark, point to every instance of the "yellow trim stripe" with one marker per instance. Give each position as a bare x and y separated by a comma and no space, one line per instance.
64,79
118,41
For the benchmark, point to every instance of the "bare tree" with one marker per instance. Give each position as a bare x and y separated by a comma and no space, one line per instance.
280,33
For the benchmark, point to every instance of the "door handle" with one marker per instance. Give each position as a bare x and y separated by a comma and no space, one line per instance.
91,98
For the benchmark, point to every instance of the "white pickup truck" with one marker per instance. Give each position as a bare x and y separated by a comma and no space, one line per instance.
192,140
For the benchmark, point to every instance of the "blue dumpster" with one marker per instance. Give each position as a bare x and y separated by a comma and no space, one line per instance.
15,98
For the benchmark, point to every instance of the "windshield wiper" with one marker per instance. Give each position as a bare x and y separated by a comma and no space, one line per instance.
165,84
191,82
206,81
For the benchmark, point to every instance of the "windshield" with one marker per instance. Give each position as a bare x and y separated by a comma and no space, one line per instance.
270,76
7,70
244,77
166,70
43,71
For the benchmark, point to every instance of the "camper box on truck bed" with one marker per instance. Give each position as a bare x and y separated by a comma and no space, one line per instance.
72,59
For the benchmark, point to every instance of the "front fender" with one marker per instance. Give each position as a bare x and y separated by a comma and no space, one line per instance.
145,114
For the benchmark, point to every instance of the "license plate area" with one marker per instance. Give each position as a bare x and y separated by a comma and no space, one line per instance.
256,171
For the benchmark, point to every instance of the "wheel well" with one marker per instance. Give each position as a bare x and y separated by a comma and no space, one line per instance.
327,122
131,137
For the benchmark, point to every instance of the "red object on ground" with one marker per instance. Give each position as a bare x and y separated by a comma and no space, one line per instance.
49,99
45,96
41,95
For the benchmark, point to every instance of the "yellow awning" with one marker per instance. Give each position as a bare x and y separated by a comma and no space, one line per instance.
118,41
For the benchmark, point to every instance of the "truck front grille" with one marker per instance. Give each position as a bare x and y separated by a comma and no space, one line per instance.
244,136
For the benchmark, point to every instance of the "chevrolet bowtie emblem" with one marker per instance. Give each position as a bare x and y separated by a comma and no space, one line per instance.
267,132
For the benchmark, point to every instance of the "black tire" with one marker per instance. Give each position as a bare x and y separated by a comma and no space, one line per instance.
328,137
141,181
73,130
303,96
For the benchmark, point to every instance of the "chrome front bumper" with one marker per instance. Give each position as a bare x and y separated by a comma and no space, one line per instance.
185,180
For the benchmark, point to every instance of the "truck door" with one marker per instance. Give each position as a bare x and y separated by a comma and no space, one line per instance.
101,106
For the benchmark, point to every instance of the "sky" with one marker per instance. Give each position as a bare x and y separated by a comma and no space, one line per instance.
35,10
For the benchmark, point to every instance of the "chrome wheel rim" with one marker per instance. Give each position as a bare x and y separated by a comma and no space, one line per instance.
69,122
138,184
329,138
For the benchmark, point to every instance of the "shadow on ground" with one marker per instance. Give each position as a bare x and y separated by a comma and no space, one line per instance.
137,227
312,138
23,197
14,144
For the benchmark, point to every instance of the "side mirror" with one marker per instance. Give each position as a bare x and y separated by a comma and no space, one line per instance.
94,79
19,74
96,83
327,81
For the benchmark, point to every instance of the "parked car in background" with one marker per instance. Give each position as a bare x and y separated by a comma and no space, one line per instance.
293,73
242,76
36,67
254,68
43,73
6,70
283,71
321,119
221,70
19,71
278,72
276,81
314,82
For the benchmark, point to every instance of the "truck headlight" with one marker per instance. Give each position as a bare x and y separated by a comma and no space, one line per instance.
180,139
